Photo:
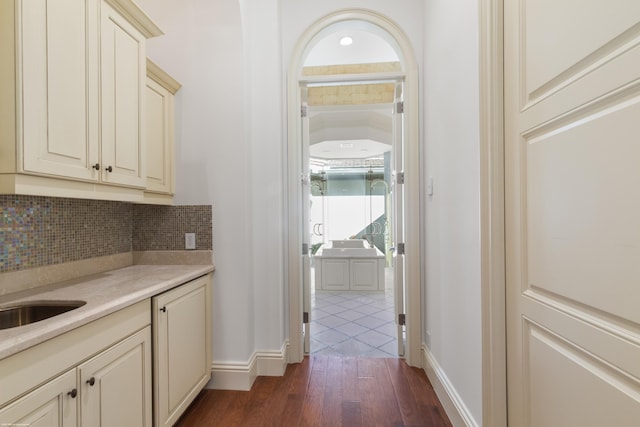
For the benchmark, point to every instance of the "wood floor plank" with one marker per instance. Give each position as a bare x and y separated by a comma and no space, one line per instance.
301,374
364,368
333,393
368,410
431,408
313,404
262,397
275,405
203,411
351,413
234,412
350,379
409,408
326,391
384,396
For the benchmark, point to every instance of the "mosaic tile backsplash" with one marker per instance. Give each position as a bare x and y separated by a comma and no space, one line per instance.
162,228
38,231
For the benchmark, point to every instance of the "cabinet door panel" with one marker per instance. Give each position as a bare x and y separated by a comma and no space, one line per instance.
158,149
182,355
116,384
335,274
46,406
58,126
123,77
364,275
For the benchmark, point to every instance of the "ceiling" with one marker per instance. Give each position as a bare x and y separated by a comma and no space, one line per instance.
367,47
350,131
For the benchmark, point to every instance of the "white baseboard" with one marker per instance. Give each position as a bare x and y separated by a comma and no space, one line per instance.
233,376
241,376
273,363
456,410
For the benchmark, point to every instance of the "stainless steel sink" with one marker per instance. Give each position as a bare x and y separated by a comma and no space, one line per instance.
20,314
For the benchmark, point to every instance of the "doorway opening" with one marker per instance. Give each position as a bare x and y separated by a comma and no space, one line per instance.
351,219
349,275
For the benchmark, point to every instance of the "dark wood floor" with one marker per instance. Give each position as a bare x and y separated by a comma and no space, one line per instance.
326,391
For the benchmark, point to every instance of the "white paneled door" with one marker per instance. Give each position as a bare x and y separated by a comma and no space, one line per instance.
572,147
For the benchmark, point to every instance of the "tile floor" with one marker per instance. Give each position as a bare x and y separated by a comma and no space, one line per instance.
353,324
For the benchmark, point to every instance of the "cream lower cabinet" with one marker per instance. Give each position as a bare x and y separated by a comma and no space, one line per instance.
349,274
50,405
101,376
115,386
111,389
182,347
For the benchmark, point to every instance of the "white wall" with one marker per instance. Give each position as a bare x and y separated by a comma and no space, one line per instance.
298,15
232,57
207,48
265,129
451,132
230,146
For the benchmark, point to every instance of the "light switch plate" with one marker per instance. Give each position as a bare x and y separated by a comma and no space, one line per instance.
430,186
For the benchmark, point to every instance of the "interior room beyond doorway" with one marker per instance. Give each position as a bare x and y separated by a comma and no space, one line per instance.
350,215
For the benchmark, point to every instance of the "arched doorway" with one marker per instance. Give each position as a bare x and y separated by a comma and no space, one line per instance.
406,174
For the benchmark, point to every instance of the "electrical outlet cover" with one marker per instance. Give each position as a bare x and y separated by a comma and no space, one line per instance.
190,240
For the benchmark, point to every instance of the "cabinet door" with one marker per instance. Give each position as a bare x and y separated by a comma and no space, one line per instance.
122,49
116,384
58,84
335,274
182,347
50,405
364,274
159,136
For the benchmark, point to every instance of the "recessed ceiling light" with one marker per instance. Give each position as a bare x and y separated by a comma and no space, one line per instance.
346,145
346,41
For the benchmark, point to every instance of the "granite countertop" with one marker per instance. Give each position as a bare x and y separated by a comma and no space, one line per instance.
104,293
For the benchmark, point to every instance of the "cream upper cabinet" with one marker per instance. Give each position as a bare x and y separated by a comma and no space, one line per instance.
160,91
72,75
123,70
182,347
56,87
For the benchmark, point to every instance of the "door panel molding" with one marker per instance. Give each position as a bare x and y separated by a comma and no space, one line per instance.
564,368
572,210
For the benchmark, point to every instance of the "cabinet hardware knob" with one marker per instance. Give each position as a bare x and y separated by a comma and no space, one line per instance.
96,166
109,169
91,381
73,393
163,309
